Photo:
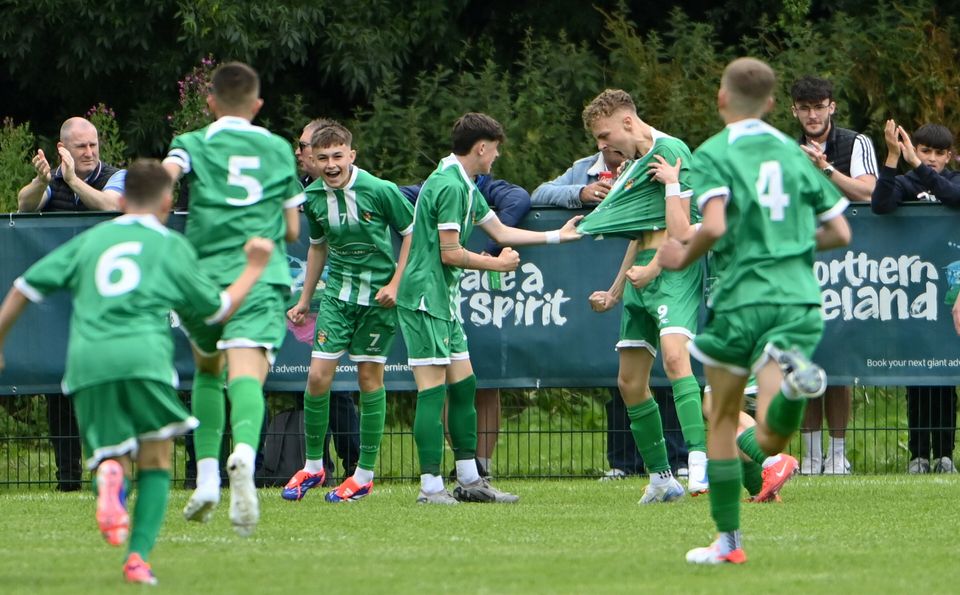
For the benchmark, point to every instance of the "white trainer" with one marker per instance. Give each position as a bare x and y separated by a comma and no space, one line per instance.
713,555
836,464
811,466
202,502
664,492
697,480
244,501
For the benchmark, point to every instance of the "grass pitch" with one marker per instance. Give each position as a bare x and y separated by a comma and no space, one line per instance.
890,534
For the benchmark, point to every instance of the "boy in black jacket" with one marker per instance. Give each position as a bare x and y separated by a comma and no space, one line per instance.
928,180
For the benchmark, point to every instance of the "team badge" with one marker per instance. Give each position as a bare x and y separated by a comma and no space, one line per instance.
629,184
367,216
321,337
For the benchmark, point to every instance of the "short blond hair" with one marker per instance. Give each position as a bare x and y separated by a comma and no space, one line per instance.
749,84
606,104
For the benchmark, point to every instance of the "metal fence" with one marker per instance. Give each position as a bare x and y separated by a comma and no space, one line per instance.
547,433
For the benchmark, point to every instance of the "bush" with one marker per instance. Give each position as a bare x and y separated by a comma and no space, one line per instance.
17,145
112,148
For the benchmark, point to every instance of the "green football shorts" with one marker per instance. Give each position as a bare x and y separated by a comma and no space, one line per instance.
431,341
667,305
260,322
114,417
737,340
366,333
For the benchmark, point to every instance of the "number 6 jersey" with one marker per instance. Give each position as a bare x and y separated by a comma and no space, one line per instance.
125,276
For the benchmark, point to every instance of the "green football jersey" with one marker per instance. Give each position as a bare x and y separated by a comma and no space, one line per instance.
775,198
241,178
125,276
449,200
355,223
636,203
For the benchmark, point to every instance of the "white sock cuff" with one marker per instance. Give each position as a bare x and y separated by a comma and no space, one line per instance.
208,471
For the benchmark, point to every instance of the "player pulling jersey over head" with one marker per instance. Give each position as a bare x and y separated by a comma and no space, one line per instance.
649,201
243,183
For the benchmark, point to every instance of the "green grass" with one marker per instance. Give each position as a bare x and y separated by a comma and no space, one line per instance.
856,534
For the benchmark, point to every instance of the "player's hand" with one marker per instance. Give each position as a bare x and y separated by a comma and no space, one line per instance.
641,276
661,170
258,251
569,233
509,260
387,296
592,194
814,151
956,324
906,148
601,301
42,166
67,166
671,255
298,314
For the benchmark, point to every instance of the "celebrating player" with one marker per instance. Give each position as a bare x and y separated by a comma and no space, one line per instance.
649,201
243,182
761,200
448,208
350,213
126,275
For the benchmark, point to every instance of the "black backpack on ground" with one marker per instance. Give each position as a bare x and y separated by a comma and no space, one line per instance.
284,449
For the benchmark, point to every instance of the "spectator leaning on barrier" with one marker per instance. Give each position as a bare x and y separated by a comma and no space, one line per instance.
848,159
81,183
585,184
931,410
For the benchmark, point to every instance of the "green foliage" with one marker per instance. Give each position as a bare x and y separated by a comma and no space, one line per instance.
17,145
113,149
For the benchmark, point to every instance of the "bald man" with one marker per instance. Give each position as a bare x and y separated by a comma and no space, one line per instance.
81,183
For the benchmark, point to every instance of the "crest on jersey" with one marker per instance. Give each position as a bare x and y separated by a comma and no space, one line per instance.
629,184
367,216
321,337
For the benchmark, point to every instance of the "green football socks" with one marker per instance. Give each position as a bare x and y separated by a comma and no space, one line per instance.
785,415
725,485
373,415
752,476
747,443
428,428
153,487
316,418
246,410
206,401
686,396
462,418
647,432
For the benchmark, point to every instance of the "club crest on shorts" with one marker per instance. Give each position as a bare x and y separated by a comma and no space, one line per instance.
321,337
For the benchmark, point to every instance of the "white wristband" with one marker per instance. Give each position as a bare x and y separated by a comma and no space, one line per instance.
672,189
553,237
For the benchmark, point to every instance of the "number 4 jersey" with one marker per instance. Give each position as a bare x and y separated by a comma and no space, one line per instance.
241,177
125,276
774,199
